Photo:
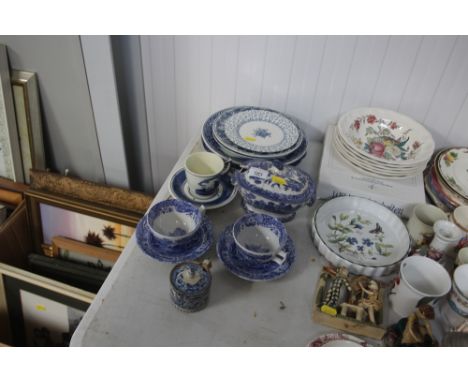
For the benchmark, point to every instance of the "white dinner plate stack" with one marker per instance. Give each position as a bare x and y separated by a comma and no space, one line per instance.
243,133
383,143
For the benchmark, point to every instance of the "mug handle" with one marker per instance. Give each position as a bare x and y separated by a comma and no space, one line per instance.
280,257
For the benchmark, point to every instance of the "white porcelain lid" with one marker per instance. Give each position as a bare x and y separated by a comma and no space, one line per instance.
362,231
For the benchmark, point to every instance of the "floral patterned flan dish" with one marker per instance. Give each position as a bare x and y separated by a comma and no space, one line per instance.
386,136
453,168
361,234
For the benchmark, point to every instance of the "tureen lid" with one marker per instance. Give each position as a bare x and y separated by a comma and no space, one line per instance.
274,180
191,277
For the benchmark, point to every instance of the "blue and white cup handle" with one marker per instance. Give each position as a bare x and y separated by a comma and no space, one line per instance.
202,210
280,257
227,167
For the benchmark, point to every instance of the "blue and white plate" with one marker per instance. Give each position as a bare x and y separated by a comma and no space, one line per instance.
245,269
178,188
211,144
233,149
190,250
261,130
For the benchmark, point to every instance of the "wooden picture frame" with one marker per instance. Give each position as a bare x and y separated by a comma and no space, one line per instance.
11,193
28,119
113,197
10,153
27,303
36,198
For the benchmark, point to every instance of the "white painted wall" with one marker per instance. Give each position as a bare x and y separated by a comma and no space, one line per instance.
314,78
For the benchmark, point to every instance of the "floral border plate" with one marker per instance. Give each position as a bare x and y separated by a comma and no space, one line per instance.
453,168
362,231
337,340
386,136
230,148
261,130
211,144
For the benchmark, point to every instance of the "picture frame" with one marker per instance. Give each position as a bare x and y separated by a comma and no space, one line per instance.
28,119
85,190
69,217
11,193
38,311
11,166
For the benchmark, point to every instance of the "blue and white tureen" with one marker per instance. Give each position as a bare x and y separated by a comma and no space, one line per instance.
275,189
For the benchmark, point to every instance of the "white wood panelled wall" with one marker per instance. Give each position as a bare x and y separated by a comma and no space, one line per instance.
313,78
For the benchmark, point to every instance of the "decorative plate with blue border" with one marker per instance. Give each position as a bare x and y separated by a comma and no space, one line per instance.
246,269
231,148
211,144
190,250
178,188
260,130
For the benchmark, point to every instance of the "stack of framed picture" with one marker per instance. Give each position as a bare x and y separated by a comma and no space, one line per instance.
77,231
21,140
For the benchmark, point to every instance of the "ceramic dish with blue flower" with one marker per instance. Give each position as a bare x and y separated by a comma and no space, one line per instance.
362,232
219,144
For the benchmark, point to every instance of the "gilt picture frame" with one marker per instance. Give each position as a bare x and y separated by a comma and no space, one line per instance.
52,215
28,119
10,154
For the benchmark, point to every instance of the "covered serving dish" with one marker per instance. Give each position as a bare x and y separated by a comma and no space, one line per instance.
275,189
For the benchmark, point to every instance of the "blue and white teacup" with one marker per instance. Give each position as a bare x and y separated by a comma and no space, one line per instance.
174,221
203,170
260,238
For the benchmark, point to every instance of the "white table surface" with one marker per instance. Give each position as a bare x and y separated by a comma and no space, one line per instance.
133,307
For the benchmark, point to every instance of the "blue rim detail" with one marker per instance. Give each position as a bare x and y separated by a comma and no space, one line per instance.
241,267
190,250
211,144
254,219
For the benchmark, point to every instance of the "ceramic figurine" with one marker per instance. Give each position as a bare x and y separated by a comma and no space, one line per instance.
190,285
414,330
333,294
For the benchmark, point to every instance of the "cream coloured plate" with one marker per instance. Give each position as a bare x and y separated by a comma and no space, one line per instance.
453,168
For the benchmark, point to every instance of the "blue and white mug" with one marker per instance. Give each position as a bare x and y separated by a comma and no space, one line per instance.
203,170
260,238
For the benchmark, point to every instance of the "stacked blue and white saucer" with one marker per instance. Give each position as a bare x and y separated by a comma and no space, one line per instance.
174,231
242,133
256,248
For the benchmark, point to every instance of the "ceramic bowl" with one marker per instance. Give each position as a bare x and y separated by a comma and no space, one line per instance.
174,221
273,188
259,237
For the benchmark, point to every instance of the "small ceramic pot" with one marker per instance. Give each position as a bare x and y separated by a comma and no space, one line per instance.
421,222
190,285
203,171
260,238
458,298
174,221
446,237
420,278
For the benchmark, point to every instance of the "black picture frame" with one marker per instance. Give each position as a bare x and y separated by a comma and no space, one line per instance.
17,328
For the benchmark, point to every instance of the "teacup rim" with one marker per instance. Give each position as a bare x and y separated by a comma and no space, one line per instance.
173,202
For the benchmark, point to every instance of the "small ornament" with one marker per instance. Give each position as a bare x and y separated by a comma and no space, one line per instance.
190,285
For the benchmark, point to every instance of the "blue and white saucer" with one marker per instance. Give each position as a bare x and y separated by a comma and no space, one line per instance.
177,253
245,269
178,188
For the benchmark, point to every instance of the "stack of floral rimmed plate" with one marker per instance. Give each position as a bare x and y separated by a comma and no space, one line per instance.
446,178
383,143
240,134
361,235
